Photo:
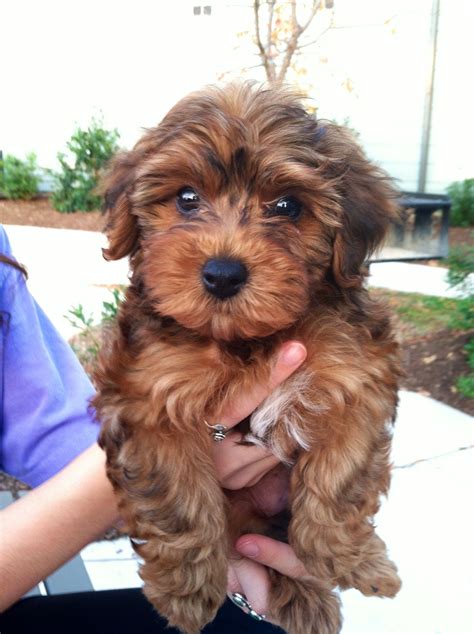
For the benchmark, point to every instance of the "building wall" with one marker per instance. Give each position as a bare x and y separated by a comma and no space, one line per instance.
64,62
452,144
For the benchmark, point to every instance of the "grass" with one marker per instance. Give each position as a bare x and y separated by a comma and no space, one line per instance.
420,314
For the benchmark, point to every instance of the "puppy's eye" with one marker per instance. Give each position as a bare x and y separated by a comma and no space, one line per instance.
287,206
187,200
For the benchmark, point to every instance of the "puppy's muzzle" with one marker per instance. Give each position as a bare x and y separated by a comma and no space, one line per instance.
224,278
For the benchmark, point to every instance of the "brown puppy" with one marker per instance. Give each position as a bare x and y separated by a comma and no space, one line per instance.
247,223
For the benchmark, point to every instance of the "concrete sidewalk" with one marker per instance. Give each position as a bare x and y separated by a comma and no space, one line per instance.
427,520
65,269
416,278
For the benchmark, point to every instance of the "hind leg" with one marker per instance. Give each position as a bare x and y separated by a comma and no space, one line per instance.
303,606
335,494
375,575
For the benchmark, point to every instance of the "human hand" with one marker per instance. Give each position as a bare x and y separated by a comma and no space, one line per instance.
240,466
265,481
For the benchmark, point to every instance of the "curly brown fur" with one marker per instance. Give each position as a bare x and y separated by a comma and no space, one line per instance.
180,353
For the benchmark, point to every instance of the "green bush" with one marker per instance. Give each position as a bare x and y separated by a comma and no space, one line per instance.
461,263
87,342
89,152
19,179
462,208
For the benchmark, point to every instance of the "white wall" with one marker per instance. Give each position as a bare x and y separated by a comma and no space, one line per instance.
67,60
452,144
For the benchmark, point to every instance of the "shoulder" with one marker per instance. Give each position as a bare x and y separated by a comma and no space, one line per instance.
12,280
5,248
6,271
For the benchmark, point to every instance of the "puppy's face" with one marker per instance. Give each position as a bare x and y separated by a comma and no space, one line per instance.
235,210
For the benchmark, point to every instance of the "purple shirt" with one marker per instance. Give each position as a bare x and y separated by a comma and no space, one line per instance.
44,392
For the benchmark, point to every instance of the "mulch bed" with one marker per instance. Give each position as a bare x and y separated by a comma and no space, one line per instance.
432,365
459,236
40,213
7,483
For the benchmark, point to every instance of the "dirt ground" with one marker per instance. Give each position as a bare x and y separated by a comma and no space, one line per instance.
431,363
40,213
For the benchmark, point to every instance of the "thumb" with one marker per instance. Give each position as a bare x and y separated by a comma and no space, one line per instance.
271,553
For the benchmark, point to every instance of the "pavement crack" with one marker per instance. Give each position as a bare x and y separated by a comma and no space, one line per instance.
442,455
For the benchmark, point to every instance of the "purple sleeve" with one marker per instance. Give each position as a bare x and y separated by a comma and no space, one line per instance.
44,418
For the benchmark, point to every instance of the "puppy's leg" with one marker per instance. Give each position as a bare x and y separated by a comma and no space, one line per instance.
172,503
376,575
299,606
304,606
335,495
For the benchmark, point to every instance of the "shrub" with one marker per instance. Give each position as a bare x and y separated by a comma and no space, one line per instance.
87,342
462,198
19,179
90,150
461,263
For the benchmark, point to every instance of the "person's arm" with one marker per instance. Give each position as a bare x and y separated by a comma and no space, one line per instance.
48,526
44,392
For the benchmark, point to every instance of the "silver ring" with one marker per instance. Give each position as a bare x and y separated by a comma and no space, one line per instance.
217,432
240,600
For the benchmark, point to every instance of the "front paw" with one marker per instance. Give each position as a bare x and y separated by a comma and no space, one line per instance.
304,606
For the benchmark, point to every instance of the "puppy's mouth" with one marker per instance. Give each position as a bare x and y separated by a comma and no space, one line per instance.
226,307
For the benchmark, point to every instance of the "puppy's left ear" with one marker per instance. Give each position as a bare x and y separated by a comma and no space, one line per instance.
369,207
116,187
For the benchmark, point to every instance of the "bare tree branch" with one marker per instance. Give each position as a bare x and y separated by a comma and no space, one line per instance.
315,8
281,41
292,43
316,40
271,7
269,68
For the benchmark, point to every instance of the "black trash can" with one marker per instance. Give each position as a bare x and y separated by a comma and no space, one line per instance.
422,231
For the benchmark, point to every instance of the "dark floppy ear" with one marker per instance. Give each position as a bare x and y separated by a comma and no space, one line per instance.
116,187
369,207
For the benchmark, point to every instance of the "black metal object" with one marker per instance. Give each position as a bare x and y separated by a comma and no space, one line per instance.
422,233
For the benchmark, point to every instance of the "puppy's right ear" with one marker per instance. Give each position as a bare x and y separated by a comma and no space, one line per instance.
116,187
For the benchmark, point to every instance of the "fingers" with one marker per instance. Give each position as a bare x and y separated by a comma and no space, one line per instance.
241,466
251,580
290,357
249,575
271,553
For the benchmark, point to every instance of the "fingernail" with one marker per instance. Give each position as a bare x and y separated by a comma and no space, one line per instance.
293,354
249,549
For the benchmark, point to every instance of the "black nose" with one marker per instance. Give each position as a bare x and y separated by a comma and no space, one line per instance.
224,278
